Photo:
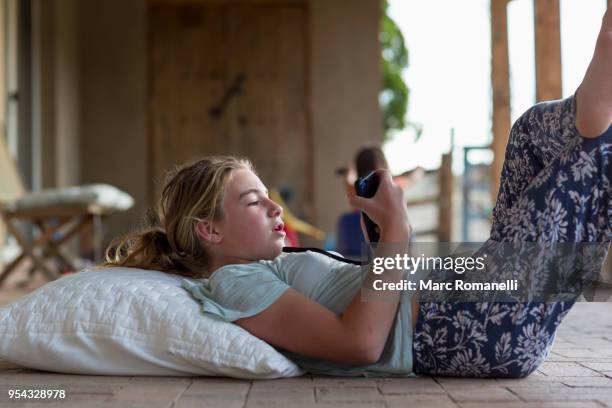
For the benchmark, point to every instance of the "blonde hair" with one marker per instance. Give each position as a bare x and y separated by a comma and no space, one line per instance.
168,240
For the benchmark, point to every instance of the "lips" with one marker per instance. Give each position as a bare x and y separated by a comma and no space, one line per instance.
279,227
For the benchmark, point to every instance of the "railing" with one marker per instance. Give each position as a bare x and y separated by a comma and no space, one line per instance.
443,200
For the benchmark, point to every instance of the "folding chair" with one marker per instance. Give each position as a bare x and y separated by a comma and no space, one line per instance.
57,214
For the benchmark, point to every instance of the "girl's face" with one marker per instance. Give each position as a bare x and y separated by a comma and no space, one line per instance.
252,228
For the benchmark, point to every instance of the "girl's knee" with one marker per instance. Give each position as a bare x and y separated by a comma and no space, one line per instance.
524,134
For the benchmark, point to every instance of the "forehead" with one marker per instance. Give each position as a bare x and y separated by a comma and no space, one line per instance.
242,180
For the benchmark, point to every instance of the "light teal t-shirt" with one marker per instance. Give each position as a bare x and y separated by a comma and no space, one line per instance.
236,291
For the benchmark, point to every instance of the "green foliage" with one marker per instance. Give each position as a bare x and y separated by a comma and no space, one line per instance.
394,94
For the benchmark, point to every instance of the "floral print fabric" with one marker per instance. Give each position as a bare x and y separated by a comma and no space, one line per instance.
555,187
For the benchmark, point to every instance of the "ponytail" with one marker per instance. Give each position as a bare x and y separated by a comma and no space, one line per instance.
149,248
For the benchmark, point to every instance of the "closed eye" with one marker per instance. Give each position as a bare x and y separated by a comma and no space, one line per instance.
254,203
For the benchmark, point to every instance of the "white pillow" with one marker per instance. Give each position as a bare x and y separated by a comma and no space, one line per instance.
127,321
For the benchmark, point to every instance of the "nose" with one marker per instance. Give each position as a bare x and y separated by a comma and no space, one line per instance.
275,209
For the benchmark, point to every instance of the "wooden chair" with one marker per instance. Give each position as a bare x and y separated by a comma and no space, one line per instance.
57,215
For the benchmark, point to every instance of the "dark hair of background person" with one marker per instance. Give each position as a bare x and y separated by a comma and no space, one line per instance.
369,158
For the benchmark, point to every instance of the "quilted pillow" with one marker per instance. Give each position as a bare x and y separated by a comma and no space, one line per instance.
127,321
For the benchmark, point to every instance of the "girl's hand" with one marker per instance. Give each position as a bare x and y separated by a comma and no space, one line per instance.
386,208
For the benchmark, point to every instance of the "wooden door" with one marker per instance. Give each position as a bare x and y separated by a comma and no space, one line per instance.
230,78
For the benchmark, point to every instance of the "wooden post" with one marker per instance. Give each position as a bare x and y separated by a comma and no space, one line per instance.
445,199
547,49
501,89
2,244
2,111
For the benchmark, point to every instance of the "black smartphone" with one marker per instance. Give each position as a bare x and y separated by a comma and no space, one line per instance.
366,187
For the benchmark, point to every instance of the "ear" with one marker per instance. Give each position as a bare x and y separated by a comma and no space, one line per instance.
207,232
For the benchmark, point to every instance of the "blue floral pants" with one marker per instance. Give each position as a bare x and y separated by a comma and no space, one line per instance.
555,187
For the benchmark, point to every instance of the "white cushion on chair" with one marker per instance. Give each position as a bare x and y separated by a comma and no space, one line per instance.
127,321
103,195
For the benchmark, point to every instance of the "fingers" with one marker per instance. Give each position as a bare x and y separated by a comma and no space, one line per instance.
387,193
384,176
360,203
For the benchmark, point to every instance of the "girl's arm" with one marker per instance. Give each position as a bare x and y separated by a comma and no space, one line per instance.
298,324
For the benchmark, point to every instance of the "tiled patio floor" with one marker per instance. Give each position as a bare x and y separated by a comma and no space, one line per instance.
577,374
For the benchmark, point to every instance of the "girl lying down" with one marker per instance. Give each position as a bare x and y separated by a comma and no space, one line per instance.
216,221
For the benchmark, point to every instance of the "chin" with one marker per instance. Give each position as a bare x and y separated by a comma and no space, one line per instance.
267,254
277,251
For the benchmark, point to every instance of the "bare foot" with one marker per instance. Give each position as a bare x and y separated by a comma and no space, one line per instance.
594,97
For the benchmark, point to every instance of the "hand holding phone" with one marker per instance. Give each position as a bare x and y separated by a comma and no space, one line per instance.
381,202
367,187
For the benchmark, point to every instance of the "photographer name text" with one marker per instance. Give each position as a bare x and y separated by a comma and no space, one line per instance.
404,284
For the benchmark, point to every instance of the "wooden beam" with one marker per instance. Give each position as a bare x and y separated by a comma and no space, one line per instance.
500,81
547,49
445,200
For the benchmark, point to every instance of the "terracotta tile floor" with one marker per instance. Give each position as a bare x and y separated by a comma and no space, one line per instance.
577,374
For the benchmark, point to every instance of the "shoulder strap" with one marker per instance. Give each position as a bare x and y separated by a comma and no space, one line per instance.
334,256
